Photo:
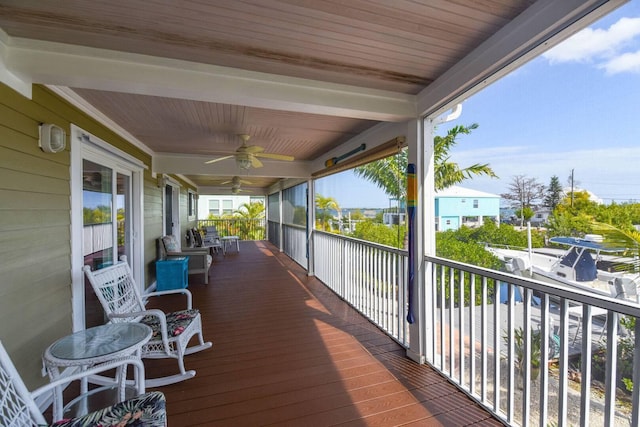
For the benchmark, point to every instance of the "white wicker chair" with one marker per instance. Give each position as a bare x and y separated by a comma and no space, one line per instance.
120,298
18,407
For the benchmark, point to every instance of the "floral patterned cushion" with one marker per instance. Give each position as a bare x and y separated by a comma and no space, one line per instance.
148,410
177,322
170,244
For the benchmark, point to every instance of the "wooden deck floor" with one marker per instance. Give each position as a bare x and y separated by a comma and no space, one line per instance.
288,352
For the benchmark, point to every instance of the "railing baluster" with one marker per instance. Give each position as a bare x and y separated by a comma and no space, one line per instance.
461,328
612,363
635,395
376,286
484,340
452,289
511,352
369,284
472,334
585,387
564,362
526,387
388,294
496,347
443,331
545,334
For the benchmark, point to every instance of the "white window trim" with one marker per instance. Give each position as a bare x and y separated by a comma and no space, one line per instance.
84,144
192,198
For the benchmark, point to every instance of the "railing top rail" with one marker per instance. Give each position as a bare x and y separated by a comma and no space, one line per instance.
301,227
231,219
578,295
364,242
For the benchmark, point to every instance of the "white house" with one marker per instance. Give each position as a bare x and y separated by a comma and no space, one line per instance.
223,204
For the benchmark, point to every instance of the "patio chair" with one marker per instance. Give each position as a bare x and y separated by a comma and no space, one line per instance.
210,241
199,258
211,231
18,407
120,298
577,312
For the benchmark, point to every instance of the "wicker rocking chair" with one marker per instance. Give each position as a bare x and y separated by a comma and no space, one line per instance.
19,409
121,301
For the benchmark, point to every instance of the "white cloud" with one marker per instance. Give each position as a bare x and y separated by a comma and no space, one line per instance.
627,62
601,46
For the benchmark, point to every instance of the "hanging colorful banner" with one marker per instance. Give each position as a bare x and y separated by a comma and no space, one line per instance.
412,199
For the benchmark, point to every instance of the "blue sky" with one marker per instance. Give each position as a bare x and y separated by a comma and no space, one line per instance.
575,107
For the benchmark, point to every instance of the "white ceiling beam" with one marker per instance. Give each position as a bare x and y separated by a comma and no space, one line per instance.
222,190
541,26
20,84
83,67
195,165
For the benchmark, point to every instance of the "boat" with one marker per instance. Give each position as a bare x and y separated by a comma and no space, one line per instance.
585,264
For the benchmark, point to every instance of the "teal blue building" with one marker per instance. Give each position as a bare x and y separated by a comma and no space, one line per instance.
457,206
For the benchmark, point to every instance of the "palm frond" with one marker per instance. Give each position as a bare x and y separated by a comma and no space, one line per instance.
615,237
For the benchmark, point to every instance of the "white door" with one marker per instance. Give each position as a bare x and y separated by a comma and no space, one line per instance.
106,219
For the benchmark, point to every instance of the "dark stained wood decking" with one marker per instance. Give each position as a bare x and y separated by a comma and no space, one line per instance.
288,352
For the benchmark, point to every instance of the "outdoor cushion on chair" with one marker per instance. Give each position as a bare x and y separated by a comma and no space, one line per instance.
170,244
146,410
199,258
177,322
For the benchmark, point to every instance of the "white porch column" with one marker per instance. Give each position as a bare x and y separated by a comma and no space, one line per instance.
416,350
280,214
426,194
311,221
427,198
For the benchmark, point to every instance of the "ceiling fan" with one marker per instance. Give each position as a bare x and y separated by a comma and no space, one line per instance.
236,182
247,155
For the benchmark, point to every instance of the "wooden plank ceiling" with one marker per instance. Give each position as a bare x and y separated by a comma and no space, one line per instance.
400,47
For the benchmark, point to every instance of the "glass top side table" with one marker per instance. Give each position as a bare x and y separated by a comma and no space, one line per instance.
99,344
227,241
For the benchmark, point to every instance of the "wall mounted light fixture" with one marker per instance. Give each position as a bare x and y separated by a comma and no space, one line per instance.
161,180
53,139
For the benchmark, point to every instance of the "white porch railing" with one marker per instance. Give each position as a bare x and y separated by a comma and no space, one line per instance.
473,339
294,243
530,352
370,277
96,237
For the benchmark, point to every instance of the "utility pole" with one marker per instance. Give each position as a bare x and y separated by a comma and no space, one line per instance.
572,188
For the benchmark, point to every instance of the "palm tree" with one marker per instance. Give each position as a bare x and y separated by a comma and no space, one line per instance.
447,173
619,236
324,204
390,173
251,214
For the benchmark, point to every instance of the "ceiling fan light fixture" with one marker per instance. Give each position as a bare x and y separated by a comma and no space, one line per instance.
243,162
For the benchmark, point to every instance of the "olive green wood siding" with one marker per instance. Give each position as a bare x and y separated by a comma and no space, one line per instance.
35,248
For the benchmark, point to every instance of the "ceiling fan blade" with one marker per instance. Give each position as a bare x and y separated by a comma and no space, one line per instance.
253,149
218,159
255,162
242,181
226,182
275,156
